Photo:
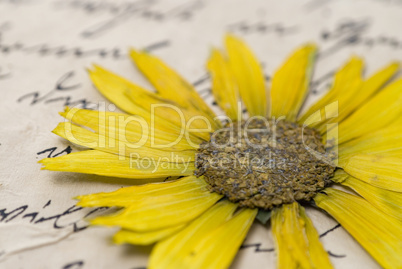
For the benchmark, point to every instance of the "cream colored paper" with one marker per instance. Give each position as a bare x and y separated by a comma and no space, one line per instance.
45,47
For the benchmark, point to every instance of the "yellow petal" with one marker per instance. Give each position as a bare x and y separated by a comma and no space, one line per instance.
107,164
110,83
224,86
319,256
131,127
127,196
219,247
291,246
386,201
353,93
370,86
175,251
106,85
340,176
144,238
344,106
104,122
159,212
249,76
378,112
189,121
347,80
382,172
137,100
150,106
119,144
291,82
385,142
377,232
297,241
172,86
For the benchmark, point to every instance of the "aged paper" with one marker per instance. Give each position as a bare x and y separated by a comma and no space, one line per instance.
45,48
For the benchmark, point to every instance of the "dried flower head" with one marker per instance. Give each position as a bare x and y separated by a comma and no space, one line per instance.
223,174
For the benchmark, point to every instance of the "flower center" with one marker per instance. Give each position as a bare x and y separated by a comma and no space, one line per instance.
264,163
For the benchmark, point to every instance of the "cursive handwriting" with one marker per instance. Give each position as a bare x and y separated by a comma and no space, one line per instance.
52,152
262,27
74,265
63,85
78,52
121,12
36,217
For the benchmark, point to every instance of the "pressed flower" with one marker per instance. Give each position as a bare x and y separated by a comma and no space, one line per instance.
224,173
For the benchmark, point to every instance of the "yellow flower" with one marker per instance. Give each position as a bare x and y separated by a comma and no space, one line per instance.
350,137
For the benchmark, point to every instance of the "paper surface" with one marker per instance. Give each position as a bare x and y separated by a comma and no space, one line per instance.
45,47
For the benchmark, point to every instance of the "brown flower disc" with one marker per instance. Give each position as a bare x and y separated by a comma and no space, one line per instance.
264,163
